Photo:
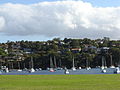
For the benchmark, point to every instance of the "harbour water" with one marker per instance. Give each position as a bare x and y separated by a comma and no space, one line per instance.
61,72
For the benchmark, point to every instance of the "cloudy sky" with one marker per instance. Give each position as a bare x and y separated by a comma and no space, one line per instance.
43,20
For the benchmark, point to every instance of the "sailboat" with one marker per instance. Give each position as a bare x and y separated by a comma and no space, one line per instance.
19,67
66,71
60,65
104,71
111,62
103,65
32,69
73,68
55,65
117,70
6,70
80,68
51,65
25,69
87,65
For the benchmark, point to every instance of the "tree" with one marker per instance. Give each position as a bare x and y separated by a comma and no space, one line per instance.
2,52
75,43
116,55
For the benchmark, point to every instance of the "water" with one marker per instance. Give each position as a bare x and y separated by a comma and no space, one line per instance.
61,72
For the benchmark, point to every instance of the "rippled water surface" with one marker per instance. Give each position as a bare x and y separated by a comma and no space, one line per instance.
61,72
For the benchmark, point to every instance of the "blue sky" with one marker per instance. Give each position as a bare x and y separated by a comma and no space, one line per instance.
99,3
96,3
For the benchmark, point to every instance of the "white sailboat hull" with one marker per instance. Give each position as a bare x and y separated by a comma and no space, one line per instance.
102,67
67,72
117,70
80,68
51,70
19,70
104,71
88,68
6,70
112,66
32,70
73,68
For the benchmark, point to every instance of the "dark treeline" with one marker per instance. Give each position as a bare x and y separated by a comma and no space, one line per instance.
86,52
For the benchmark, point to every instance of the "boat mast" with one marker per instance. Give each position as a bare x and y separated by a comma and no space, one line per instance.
60,63
73,62
111,60
18,65
105,62
12,65
102,61
24,65
32,62
86,63
55,62
51,62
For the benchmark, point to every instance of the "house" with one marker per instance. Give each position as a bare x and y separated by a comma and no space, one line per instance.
75,50
27,50
104,50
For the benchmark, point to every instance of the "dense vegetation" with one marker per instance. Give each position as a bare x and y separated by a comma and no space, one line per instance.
86,52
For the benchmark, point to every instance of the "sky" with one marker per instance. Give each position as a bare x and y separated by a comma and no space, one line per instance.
101,3
39,20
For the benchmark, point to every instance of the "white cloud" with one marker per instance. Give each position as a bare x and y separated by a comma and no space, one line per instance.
75,19
2,23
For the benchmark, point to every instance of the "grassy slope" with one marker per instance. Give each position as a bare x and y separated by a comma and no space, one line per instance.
60,82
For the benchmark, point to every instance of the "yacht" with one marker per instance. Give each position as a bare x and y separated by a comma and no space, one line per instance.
19,70
88,68
112,66
73,68
103,63
80,68
66,71
52,70
102,67
111,61
104,71
87,65
6,70
51,65
32,65
40,69
117,70
32,70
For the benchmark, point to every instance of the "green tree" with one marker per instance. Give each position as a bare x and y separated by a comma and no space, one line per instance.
2,52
